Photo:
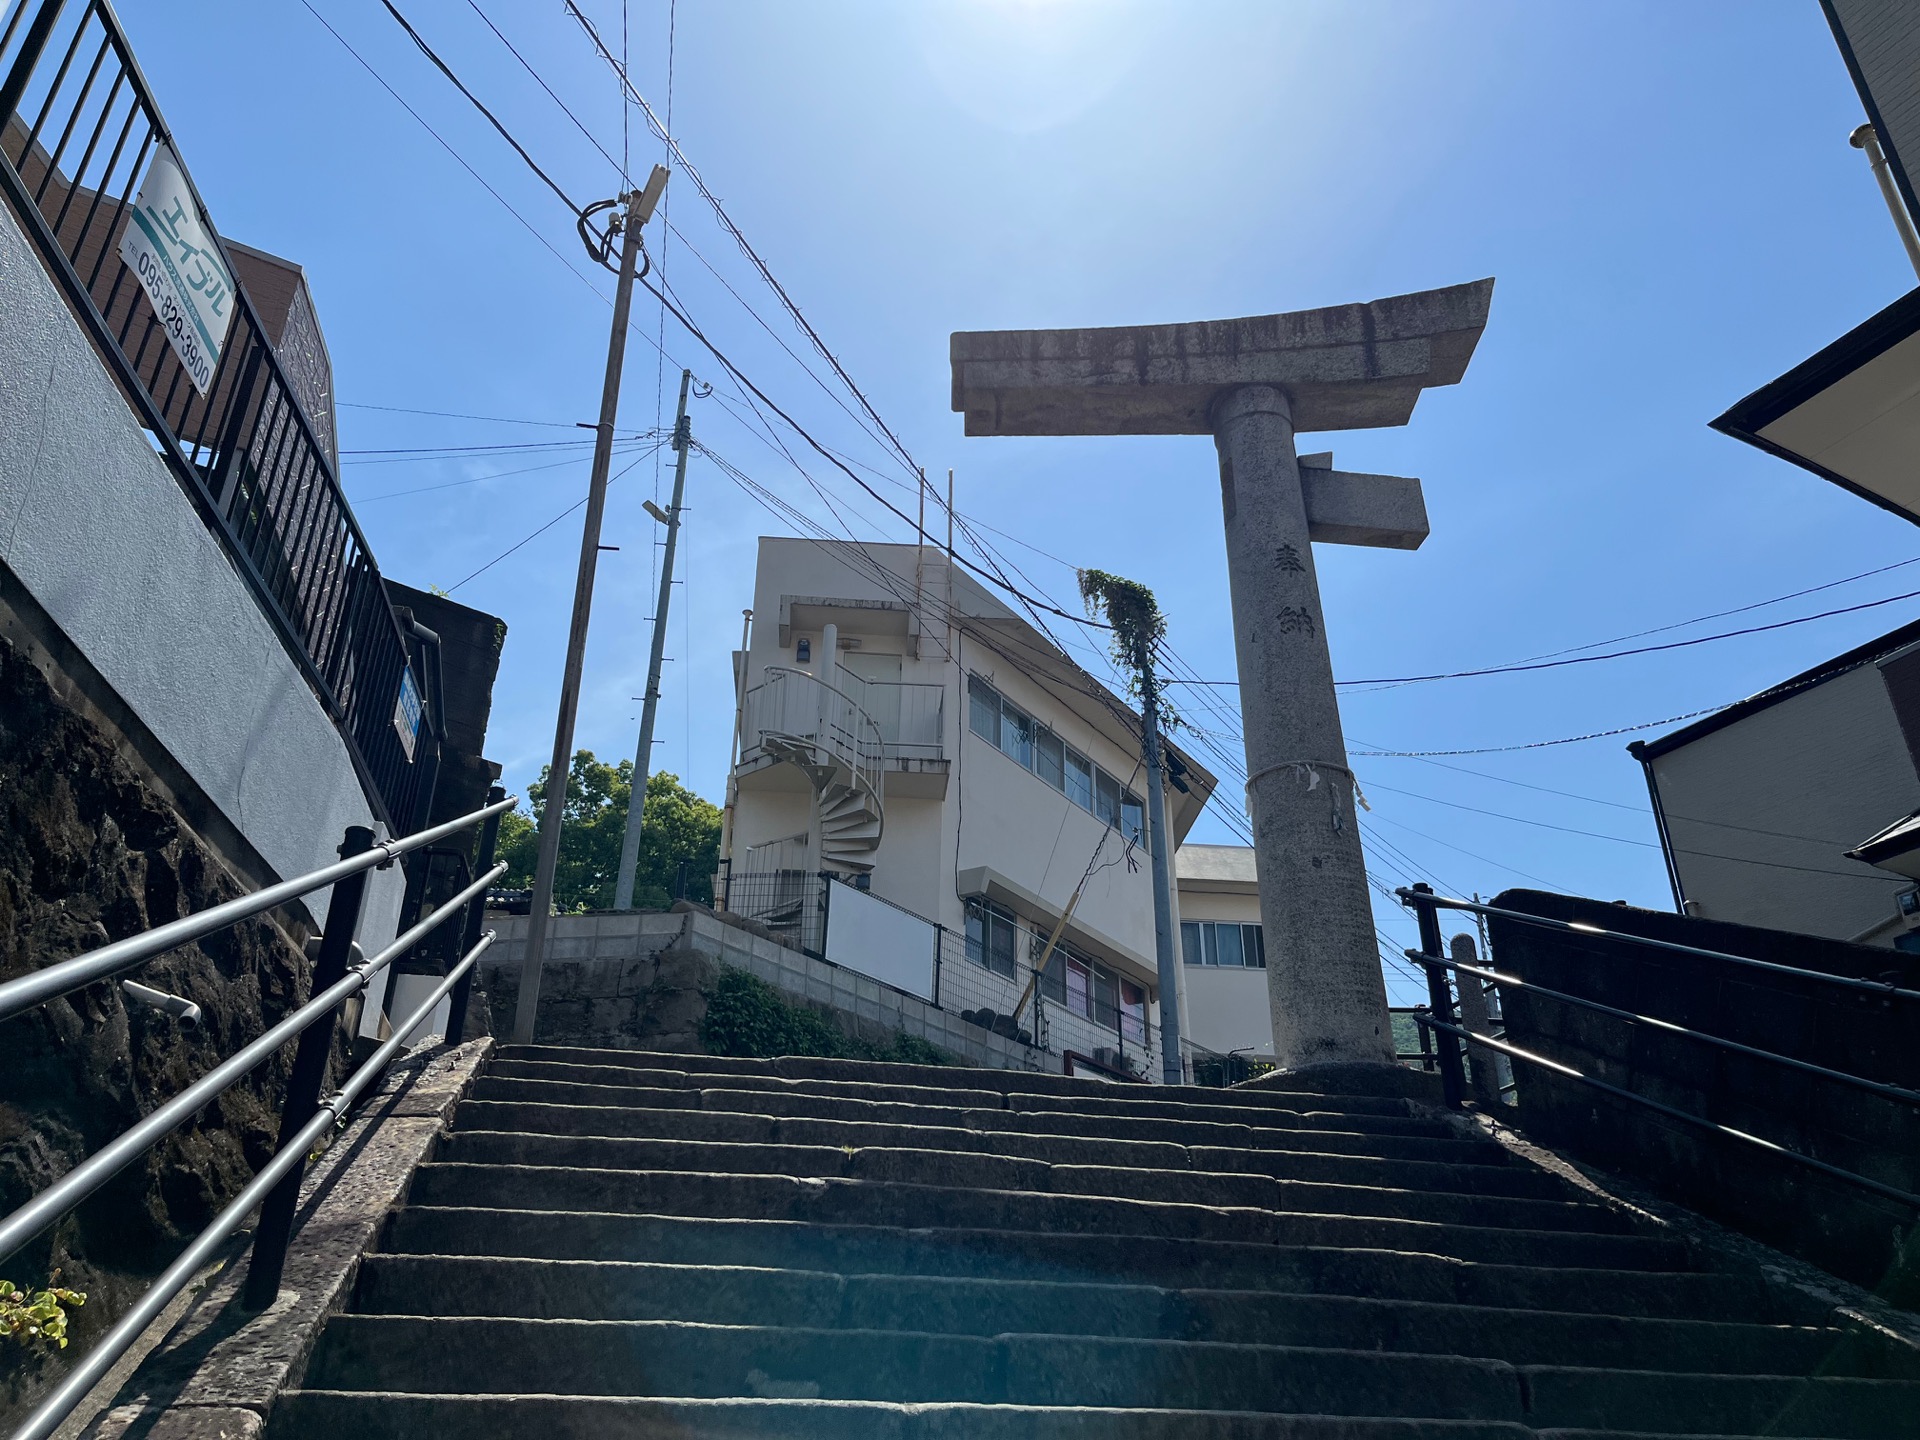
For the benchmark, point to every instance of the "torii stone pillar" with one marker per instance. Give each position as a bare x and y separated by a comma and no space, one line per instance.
1252,385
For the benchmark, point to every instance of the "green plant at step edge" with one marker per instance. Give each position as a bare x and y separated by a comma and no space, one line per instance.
36,1317
748,1017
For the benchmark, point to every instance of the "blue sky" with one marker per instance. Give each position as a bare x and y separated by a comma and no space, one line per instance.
1664,192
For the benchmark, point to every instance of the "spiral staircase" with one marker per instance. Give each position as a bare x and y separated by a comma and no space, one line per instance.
821,729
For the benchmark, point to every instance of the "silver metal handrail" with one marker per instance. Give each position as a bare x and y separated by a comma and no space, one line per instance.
305,1117
53,1411
67,976
44,1209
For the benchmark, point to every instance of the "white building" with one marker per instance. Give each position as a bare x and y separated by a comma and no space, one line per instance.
1760,804
966,786
1223,951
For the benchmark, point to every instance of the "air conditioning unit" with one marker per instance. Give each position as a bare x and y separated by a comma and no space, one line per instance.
1908,902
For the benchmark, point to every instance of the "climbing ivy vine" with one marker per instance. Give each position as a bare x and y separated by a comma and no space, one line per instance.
1138,629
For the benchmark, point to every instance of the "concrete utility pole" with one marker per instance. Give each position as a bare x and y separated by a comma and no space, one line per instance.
1166,959
639,209
1251,384
650,708
1137,627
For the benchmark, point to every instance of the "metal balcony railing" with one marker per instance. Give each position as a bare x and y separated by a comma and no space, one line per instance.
791,713
338,974
910,715
78,129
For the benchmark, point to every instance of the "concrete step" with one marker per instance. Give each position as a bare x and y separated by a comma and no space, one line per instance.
1150,1102
1333,1138
328,1415
730,1295
1004,1254
1646,1402
973,1169
880,1202
645,1357
648,1357
679,1124
701,1070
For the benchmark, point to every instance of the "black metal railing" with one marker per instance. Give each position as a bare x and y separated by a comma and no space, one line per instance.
79,128
1450,1036
339,973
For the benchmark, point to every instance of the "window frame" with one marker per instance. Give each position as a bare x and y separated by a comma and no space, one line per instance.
992,917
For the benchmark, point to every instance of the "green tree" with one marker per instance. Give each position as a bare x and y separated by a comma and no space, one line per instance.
677,825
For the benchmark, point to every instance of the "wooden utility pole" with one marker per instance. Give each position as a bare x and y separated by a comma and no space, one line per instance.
650,702
639,209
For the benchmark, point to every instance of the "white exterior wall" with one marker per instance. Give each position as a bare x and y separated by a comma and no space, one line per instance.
1226,1006
1012,822
1825,768
97,529
998,827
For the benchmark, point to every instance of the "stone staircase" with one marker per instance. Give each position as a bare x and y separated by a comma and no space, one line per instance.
622,1244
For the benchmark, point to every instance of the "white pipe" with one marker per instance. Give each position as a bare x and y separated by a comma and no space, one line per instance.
1865,138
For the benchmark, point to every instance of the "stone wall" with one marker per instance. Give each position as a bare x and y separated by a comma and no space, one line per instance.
90,853
641,981
1845,1229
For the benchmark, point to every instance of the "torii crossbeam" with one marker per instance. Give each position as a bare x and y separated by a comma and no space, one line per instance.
1252,385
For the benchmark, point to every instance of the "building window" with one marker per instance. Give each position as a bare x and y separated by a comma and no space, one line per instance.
1016,734
990,932
1050,759
1091,991
1216,942
983,710
1033,746
1079,786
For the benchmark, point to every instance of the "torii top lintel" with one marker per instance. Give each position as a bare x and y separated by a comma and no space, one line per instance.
1345,367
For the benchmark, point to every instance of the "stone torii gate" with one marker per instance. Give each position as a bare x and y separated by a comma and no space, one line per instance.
1253,384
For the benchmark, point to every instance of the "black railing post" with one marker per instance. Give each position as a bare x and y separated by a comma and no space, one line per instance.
1453,1074
35,41
476,917
309,1074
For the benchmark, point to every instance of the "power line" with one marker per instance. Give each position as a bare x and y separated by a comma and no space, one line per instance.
534,534
1614,804
619,166
460,85
453,415
1643,844
477,479
470,449
1543,744
834,460
525,223
739,238
1610,655
1737,610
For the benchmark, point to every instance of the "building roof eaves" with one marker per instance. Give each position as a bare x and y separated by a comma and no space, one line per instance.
1876,649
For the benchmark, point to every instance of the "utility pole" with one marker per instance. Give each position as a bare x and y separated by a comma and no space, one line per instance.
1167,963
639,209
650,706
1137,627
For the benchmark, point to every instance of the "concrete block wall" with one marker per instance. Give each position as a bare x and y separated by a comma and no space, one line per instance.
598,977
